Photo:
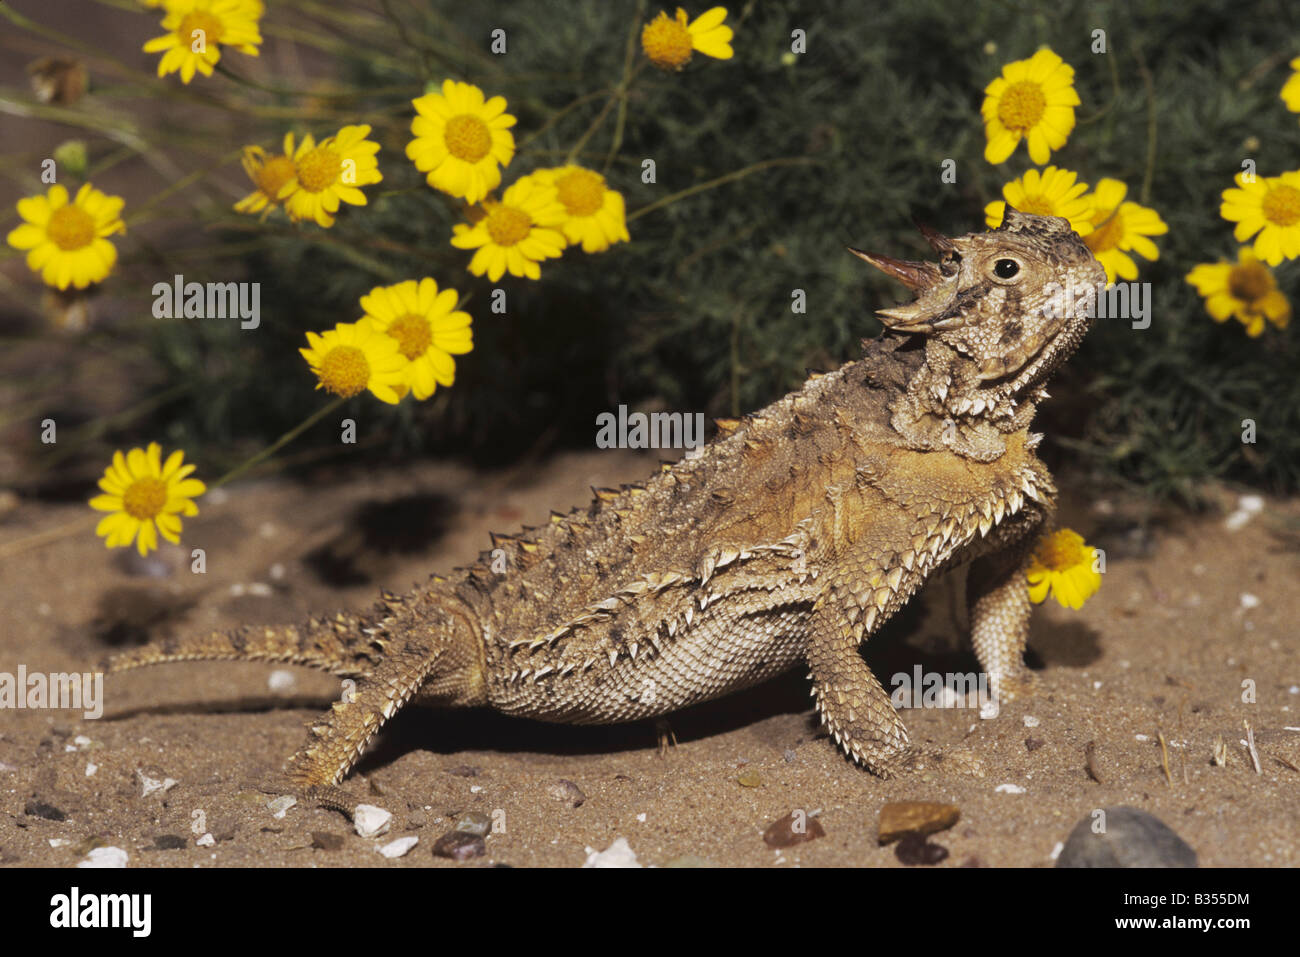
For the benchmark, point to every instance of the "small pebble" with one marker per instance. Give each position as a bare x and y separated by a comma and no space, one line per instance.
459,846
169,842
91,768
1031,721
1249,601
82,742
38,808
1033,744
1131,838
59,842
618,854
789,755
105,857
473,822
900,818
260,589
1009,789
749,778
207,840
151,785
566,792
276,572
796,827
281,805
371,821
398,847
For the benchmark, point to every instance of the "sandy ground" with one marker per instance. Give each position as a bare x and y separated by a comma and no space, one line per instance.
1187,614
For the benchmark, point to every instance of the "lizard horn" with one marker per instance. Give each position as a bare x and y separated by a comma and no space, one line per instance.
937,240
915,276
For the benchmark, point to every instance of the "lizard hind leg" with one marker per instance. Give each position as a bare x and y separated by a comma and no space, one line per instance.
336,742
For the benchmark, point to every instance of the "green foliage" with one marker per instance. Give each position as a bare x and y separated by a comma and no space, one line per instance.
695,313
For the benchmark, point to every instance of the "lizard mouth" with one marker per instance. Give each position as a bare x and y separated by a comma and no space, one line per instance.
935,286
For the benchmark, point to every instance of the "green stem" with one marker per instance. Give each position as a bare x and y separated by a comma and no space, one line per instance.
721,181
1149,86
624,85
278,444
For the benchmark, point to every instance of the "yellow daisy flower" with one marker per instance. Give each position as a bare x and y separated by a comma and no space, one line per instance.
353,357
1270,206
1033,99
146,497
594,212
1120,227
1291,89
197,31
1246,290
461,140
1053,192
330,172
269,174
427,327
65,240
516,233
670,43
1065,566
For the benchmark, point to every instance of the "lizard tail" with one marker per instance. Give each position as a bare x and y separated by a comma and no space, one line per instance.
338,645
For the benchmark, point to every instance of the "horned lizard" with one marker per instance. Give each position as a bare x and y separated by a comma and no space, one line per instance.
794,536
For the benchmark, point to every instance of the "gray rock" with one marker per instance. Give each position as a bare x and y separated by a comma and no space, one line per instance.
1132,838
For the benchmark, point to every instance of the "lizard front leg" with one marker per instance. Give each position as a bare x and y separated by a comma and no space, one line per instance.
998,596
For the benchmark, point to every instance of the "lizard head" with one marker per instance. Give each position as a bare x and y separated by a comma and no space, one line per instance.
1010,304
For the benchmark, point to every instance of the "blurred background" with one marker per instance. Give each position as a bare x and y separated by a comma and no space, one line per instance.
694,314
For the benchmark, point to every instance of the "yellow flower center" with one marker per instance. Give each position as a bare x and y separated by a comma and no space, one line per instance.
199,20
344,371
1063,551
277,171
1107,235
413,335
144,498
1022,105
1250,282
467,137
508,225
319,169
667,42
1281,205
1038,205
581,191
70,227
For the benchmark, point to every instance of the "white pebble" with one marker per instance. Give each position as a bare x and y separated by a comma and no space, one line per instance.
618,854
60,841
990,709
280,806
281,679
153,785
1294,689
371,821
1031,721
260,589
1248,600
398,847
276,572
1141,737
475,788
237,589
1056,851
641,817
1010,789
91,768
105,857
1250,503
1096,686
81,741
207,840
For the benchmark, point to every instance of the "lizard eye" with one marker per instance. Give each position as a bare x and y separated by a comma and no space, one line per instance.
1006,268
